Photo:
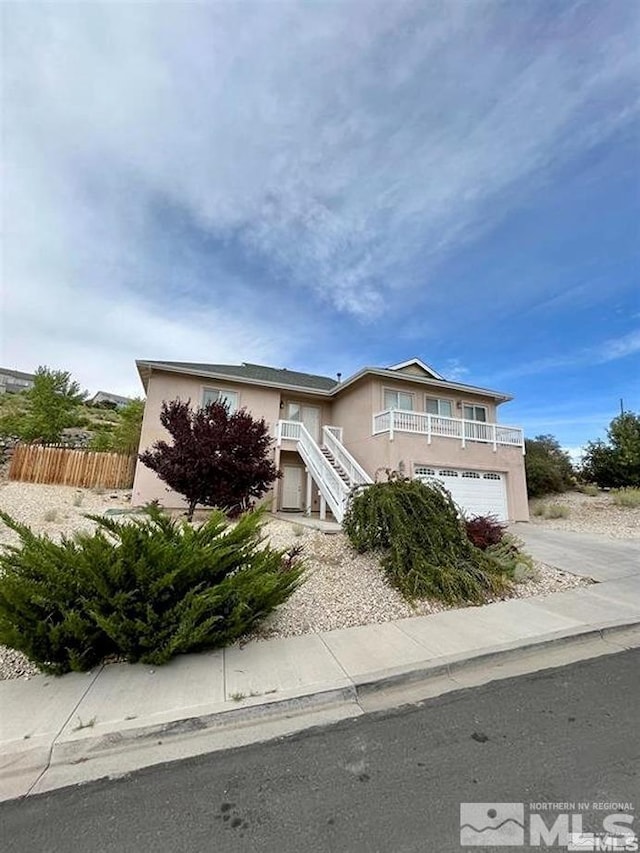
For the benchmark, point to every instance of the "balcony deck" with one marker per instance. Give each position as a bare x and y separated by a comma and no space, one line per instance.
421,423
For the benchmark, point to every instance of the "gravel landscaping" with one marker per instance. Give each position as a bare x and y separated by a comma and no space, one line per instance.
597,515
343,589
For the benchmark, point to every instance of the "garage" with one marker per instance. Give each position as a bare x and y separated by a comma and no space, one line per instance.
475,492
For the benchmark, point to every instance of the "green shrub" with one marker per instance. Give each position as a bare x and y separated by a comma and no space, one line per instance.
102,441
628,498
147,589
515,562
548,467
557,511
539,510
616,462
425,551
590,490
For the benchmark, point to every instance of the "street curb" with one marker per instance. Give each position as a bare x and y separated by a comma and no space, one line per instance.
220,719
498,654
258,721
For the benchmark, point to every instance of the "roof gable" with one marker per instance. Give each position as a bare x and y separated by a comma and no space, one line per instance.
416,367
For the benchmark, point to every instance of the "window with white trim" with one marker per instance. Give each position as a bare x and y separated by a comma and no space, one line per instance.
446,472
398,400
421,471
436,406
217,395
492,476
474,413
471,475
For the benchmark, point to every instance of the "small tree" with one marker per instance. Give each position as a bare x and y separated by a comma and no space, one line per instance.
548,466
53,400
217,458
615,463
124,437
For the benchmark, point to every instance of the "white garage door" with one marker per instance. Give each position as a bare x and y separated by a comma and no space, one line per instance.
475,492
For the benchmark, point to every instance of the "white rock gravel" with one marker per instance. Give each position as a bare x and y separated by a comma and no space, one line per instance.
343,589
596,515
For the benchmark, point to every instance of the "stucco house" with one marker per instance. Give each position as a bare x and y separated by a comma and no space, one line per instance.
331,434
115,400
15,380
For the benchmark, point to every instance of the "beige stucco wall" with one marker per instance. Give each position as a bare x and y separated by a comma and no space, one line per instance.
261,402
353,411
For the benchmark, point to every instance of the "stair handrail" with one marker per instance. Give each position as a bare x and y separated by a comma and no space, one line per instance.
352,468
332,487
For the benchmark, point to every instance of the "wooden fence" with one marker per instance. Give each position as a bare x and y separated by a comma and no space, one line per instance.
37,463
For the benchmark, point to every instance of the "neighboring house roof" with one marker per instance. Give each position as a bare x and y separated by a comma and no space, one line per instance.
7,374
258,374
108,397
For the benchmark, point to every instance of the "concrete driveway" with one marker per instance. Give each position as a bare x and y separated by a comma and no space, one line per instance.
596,557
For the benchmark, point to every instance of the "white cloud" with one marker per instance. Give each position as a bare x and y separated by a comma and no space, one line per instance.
576,454
454,369
609,350
336,144
620,347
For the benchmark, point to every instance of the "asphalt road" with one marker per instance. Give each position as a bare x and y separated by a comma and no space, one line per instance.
391,782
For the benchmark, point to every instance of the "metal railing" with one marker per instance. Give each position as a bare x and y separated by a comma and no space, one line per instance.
421,423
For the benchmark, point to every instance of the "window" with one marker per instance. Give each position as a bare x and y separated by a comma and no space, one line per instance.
446,472
444,408
421,471
213,395
492,476
398,400
474,413
309,415
471,475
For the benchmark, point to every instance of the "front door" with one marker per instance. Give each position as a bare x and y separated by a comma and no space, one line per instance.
292,487
310,417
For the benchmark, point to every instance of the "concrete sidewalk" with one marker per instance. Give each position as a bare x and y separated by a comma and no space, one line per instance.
59,731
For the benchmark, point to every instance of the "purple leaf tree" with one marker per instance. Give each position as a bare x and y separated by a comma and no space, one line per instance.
217,458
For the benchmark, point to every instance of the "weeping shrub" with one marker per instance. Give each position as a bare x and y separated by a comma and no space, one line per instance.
424,548
145,589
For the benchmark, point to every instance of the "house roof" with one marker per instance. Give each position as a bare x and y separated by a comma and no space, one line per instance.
417,362
108,397
16,374
394,375
254,373
325,386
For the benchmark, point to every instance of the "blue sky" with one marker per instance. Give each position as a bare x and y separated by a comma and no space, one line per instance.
323,186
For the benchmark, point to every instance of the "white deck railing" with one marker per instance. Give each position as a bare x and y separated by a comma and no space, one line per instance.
396,420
